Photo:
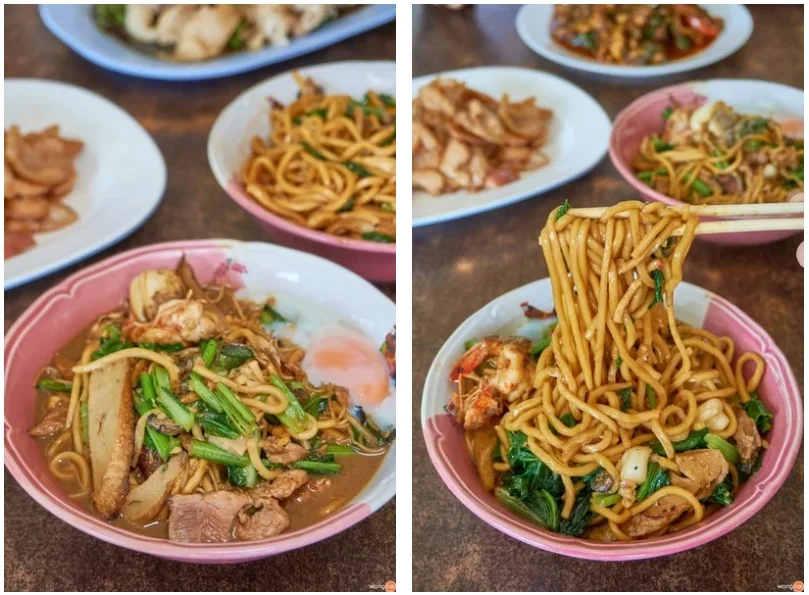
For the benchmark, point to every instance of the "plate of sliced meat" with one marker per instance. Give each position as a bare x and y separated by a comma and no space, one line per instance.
80,175
484,138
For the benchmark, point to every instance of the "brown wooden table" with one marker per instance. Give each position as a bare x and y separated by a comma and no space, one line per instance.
42,552
460,266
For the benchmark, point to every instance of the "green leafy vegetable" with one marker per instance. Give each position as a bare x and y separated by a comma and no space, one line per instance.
528,473
243,477
348,206
358,169
605,500
294,416
701,188
660,145
108,16
656,478
313,152
540,508
236,42
538,348
756,409
196,384
693,441
209,348
576,523
85,428
387,100
469,344
166,347
723,492
568,420
175,409
667,113
726,448
650,397
111,343
210,452
318,467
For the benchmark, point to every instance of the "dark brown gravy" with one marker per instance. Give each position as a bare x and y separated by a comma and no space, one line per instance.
357,472
673,53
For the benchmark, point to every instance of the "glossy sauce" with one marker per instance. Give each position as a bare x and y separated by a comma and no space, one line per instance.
305,507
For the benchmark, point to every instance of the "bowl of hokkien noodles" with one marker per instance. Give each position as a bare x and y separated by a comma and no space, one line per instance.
205,401
311,154
613,417
717,142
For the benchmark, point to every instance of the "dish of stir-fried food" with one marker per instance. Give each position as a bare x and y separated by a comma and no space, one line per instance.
616,421
467,140
713,155
190,414
329,163
634,34
39,174
194,32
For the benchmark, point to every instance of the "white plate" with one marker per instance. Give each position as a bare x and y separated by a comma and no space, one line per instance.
121,173
578,139
73,24
534,28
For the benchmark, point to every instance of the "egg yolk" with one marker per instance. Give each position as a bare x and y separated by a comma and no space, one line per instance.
349,361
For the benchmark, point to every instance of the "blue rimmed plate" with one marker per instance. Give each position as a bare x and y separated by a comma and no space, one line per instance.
73,24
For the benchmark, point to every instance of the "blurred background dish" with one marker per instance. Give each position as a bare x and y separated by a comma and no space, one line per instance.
644,118
698,41
120,173
575,140
75,26
230,145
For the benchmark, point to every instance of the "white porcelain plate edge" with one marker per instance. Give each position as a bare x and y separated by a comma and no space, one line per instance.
533,27
578,140
121,173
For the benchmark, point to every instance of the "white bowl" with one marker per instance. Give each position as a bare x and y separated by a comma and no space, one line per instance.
577,141
121,173
534,28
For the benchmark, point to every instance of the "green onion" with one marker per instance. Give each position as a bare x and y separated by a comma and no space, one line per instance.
236,42
753,145
294,416
650,396
358,169
269,315
209,352
539,347
174,409
667,113
619,361
315,405
348,206
216,428
626,398
682,42
562,210
340,450
236,403
318,467
313,152
85,428
158,441
605,500
658,277
726,448
167,347
147,387
469,344
161,377
210,452
196,384
54,385
387,100
374,236
660,145
701,187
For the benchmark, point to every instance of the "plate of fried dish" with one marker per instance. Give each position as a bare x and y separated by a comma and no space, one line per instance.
715,142
205,401
311,154
488,137
635,40
613,411
193,42
71,188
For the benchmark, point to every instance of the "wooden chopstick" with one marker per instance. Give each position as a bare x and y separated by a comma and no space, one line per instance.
747,210
745,225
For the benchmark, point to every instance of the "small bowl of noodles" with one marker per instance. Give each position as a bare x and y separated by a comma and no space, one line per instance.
616,416
714,142
312,156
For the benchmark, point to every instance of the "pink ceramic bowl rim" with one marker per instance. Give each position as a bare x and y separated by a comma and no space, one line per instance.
631,111
234,190
88,523
767,481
